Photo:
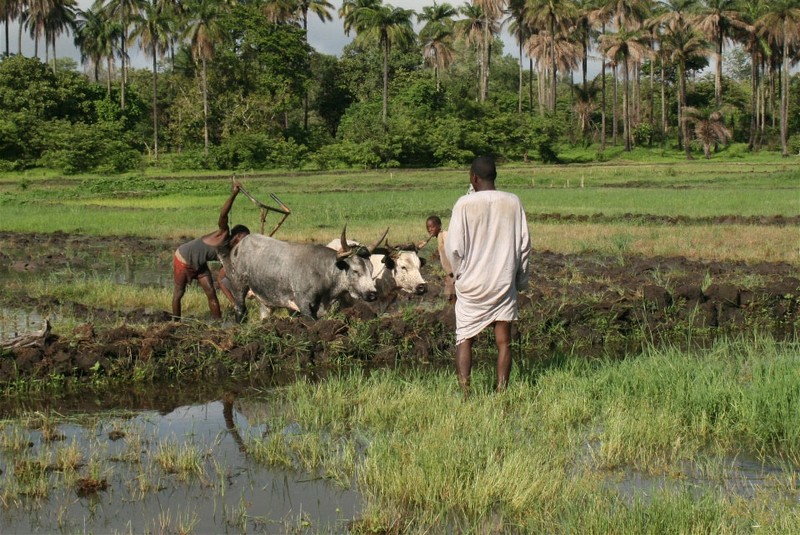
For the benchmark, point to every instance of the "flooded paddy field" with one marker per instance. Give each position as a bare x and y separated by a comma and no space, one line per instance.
118,420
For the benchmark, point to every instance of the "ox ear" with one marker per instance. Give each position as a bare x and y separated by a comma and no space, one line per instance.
342,264
389,261
421,261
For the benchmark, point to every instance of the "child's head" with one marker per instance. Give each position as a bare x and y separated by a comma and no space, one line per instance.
434,225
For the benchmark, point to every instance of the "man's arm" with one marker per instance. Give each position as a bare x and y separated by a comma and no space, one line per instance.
524,251
219,236
226,208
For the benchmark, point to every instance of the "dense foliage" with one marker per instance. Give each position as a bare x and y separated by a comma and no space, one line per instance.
236,85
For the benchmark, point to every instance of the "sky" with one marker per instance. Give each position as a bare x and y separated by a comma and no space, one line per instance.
327,37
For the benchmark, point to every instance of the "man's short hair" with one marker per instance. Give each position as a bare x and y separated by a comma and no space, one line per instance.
239,229
434,219
483,167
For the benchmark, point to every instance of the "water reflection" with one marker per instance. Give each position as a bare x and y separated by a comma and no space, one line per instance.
232,493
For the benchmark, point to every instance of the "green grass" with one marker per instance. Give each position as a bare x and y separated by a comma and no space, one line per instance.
371,200
544,455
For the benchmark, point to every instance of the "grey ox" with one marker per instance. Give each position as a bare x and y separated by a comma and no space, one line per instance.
304,278
394,268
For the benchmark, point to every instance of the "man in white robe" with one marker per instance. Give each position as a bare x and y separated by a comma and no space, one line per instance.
488,245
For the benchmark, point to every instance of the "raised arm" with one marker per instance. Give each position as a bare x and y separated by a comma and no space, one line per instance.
226,208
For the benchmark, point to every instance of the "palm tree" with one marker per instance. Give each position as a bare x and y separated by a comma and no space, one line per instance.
683,43
9,10
34,20
748,32
625,47
350,7
436,36
279,11
781,25
152,29
552,16
717,20
709,128
123,11
89,28
321,8
585,106
492,11
520,30
60,18
203,30
387,25
470,29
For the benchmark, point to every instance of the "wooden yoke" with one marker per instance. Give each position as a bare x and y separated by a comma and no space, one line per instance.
265,208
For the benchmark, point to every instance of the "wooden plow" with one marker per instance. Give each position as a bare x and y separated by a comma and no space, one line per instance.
283,209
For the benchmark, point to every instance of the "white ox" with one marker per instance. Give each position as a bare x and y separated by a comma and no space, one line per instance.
393,268
301,277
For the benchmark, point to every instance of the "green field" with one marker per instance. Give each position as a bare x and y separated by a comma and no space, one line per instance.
179,206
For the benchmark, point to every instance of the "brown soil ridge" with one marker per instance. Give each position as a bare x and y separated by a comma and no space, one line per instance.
578,304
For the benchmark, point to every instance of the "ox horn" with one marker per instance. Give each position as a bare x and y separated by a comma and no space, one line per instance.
377,243
344,248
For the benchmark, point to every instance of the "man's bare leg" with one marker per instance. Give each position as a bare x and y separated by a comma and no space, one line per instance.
502,337
464,365
208,287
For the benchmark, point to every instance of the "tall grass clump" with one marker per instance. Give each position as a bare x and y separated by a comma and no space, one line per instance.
550,453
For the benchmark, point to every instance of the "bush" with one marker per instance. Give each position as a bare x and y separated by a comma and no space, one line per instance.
79,148
256,151
794,144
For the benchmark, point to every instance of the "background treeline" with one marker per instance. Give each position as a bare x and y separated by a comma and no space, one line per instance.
235,84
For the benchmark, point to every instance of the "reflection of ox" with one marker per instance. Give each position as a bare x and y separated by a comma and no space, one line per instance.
301,277
394,268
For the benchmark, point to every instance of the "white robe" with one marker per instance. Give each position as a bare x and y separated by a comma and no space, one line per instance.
488,245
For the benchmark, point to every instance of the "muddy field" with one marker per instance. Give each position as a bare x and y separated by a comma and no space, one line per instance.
585,304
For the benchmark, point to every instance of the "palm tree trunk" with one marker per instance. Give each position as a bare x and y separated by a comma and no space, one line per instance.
681,105
155,104
205,108
652,101
553,67
8,23
541,87
614,125
751,142
305,89
521,77
626,113
109,59
718,71
385,82
637,92
530,84
603,98
785,91
124,69
487,47
664,120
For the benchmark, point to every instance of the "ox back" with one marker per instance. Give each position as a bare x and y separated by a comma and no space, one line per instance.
301,277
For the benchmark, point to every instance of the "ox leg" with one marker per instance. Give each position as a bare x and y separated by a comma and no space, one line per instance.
239,306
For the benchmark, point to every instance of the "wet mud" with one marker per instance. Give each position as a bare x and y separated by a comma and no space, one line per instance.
584,304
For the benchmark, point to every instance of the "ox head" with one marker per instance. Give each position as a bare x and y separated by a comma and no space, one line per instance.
405,263
354,262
